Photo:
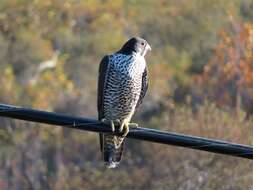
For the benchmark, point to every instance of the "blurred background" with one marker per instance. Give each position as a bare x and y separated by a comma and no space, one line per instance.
201,83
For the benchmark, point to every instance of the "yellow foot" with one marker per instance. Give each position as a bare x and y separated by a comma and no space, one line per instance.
125,127
133,125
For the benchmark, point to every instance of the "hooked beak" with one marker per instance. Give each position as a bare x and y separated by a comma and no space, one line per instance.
148,47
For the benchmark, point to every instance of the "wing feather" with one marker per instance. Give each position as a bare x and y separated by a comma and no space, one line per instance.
102,79
144,86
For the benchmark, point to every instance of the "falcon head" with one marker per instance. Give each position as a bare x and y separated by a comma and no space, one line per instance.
136,45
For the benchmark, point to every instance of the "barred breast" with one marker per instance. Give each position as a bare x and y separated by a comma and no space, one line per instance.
123,86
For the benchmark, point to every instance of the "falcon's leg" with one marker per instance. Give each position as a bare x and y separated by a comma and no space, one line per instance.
117,141
109,122
124,127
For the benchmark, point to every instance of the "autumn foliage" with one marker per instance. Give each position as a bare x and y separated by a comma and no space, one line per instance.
227,78
200,73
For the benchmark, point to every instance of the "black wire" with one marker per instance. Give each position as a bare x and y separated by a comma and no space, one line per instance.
152,135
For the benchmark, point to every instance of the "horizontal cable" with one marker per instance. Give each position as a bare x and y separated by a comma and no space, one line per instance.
140,133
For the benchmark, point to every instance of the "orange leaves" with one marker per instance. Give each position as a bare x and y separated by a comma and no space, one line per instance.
247,70
230,71
233,55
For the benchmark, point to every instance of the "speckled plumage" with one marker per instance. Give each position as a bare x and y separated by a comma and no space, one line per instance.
122,85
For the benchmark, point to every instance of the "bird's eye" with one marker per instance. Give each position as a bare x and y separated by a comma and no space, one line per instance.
142,43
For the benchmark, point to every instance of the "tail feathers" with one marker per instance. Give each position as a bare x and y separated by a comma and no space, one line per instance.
110,163
112,149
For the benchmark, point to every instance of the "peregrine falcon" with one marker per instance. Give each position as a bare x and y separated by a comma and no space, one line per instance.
122,84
